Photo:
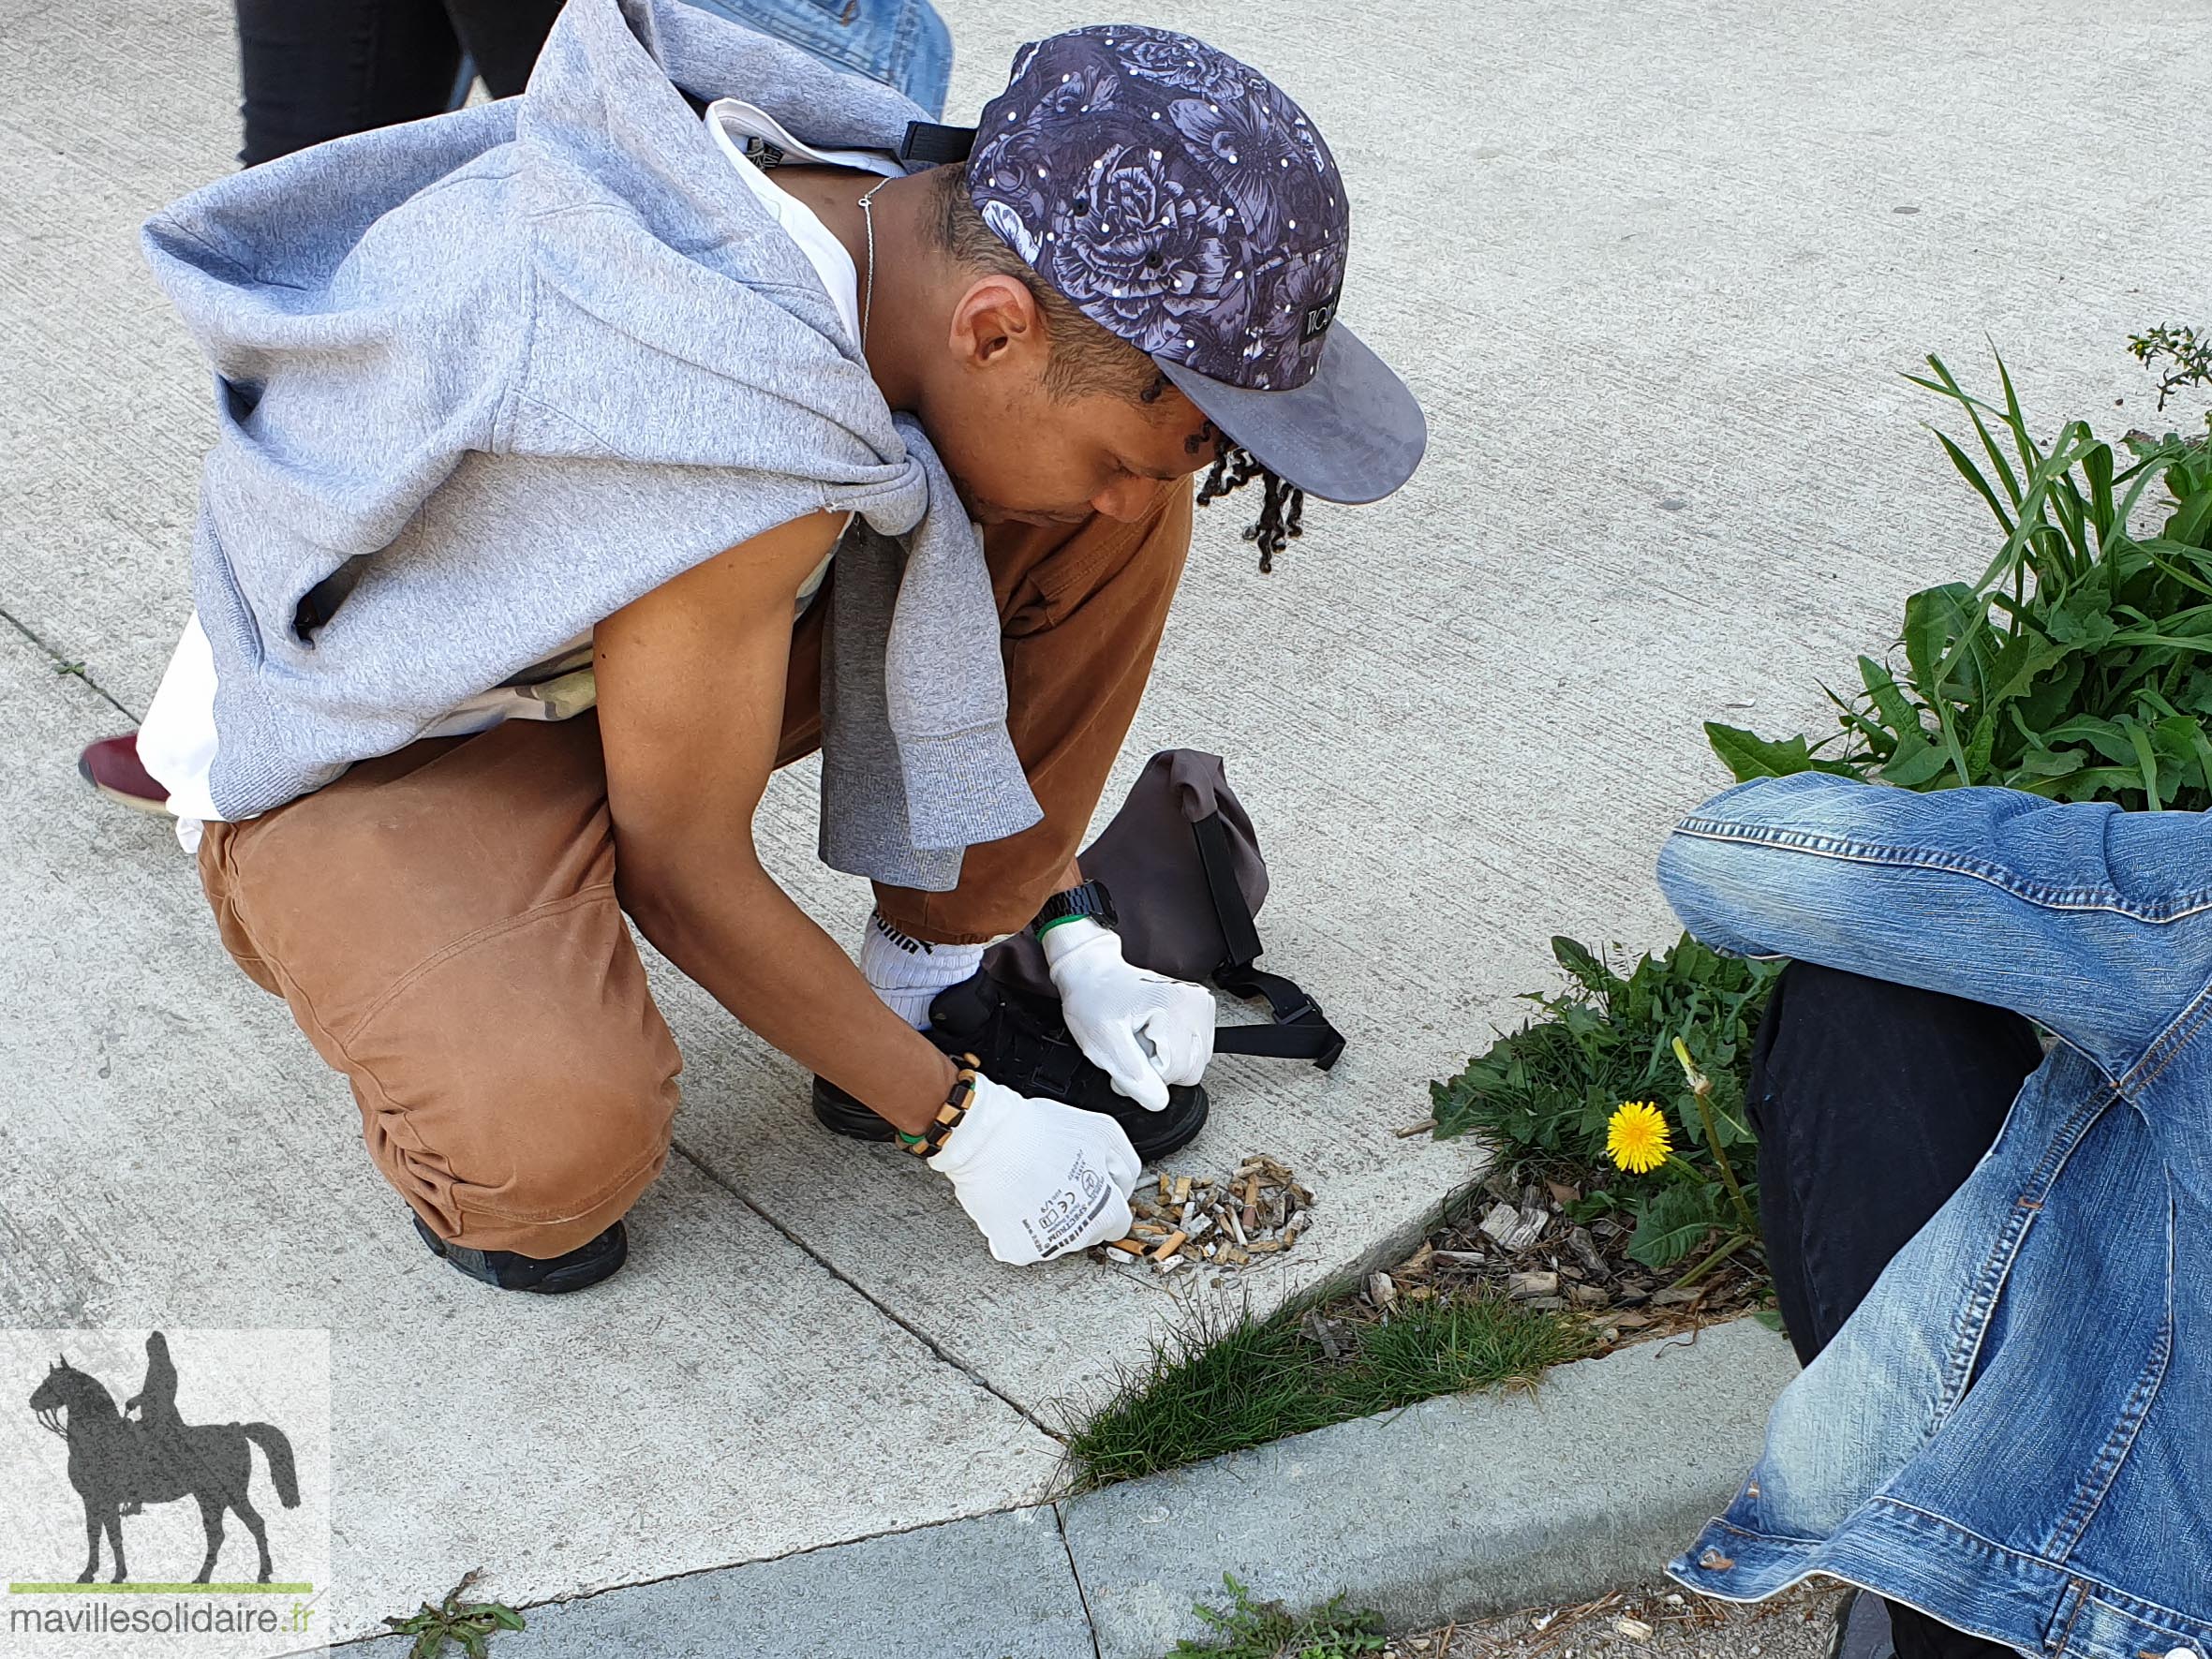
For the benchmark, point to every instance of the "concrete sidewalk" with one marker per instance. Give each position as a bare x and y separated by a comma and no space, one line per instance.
1653,267
1456,1507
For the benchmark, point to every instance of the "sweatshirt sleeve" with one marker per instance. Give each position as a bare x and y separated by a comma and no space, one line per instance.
1082,618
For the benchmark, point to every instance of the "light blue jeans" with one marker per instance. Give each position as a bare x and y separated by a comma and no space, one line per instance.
902,43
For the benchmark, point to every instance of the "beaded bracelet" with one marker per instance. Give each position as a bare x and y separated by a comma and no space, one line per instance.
956,1102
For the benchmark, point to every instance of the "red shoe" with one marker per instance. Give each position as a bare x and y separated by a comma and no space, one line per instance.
111,766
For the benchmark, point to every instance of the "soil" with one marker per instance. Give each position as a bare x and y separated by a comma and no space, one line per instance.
1794,1624
1591,1278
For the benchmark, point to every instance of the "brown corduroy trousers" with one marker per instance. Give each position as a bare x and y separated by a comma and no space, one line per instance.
443,923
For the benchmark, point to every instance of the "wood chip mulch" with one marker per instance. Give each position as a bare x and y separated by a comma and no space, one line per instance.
1505,1239
1514,1240
1642,1622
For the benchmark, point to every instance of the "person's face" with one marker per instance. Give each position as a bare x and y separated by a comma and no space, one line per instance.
1016,451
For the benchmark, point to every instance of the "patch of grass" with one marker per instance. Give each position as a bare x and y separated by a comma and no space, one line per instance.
1231,1382
1246,1629
1471,1342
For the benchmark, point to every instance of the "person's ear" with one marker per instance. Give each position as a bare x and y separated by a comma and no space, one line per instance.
996,324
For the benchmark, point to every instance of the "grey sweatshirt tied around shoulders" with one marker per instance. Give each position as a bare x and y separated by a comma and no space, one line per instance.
485,378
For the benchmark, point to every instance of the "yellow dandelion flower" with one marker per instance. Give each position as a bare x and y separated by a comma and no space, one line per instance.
1637,1138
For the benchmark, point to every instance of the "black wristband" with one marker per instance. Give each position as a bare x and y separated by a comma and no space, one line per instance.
1090,899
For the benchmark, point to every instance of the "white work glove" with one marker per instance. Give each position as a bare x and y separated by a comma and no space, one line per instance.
1110,1005
1038,1178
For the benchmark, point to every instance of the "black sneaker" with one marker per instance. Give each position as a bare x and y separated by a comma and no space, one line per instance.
548,1276
1023,1043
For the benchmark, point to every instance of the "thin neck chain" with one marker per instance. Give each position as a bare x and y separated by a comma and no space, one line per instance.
868,300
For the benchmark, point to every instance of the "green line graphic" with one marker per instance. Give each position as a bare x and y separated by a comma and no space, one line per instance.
161,1588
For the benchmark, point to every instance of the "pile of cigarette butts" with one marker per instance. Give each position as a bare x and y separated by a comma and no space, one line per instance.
1228,1223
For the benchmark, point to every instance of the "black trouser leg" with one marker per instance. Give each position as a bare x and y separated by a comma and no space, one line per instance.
318,69
504,38
1873,1103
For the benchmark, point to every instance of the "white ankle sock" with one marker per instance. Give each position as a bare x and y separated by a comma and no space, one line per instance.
908,972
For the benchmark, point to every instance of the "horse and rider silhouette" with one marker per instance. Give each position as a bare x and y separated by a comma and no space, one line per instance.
119,1465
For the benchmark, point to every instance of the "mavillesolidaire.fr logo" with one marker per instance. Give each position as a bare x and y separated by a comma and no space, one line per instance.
169,1487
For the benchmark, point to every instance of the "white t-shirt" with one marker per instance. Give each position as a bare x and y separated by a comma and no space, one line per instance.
177,742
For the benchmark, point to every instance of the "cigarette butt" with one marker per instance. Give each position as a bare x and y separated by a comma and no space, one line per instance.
1168,1246
1165,1189
1182,1189
1267,1244
1135,1247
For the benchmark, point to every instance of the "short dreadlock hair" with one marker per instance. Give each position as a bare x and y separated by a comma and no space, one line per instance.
1087,360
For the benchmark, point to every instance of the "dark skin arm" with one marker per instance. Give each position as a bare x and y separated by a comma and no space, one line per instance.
690,710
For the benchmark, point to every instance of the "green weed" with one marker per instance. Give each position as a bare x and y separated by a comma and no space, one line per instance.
1262,1630
2079,666
2189,355
1547,1092
470,1623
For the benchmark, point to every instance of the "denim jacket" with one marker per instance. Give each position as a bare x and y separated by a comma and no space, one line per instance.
2013,1430
902,43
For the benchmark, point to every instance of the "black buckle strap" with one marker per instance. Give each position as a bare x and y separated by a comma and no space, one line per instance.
1239,934
1301,1030
1322,1044
933,145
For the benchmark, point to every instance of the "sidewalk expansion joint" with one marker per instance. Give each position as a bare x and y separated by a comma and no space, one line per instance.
707,1169
1059,1519
620,1586
65,667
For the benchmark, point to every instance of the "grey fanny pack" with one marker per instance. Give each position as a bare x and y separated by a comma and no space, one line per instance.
1187,880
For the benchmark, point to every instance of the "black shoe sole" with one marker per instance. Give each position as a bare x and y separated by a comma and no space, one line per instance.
581,1267
1154,1134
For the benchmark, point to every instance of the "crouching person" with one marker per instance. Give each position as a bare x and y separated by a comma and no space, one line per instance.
586,455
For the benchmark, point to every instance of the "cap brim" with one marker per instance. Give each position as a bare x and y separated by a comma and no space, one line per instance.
1351,433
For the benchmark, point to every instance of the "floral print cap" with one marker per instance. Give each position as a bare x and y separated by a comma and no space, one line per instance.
1185,204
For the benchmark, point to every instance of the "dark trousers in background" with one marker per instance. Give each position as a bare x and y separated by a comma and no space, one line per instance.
1873,1103
320,69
